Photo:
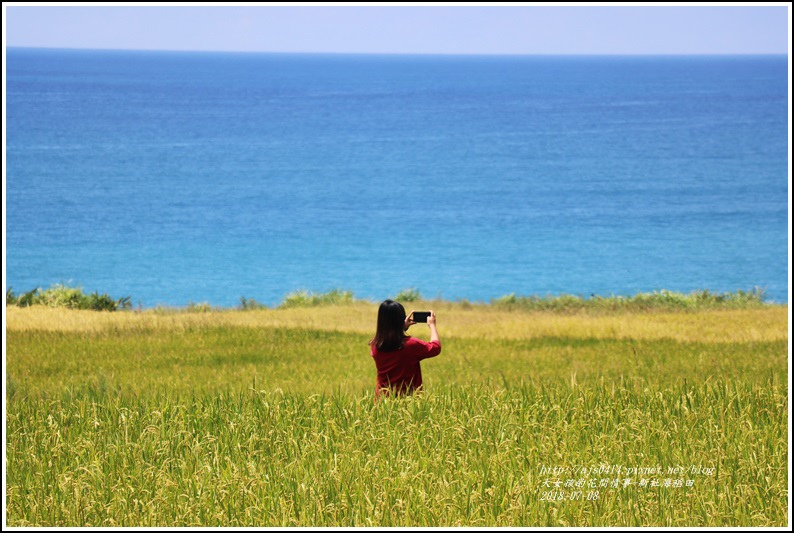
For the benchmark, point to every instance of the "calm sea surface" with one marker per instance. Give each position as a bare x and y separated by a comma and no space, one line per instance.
179,177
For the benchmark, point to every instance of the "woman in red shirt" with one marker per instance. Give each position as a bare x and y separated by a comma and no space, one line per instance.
396,354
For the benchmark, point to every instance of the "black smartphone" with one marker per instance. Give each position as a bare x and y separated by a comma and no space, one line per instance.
421,316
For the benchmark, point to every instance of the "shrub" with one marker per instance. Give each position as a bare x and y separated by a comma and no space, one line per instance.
201,307
60,295
248,304
304,298
125,302
506,300
657,300
103,302
29,298
408,295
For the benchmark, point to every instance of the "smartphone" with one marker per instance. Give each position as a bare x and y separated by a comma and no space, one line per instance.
421,316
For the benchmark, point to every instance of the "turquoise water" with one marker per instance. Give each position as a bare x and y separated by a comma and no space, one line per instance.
178,177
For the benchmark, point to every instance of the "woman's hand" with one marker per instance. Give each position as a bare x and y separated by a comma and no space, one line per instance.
409,321
431,322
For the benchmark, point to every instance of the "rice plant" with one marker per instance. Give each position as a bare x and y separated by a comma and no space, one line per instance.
267,418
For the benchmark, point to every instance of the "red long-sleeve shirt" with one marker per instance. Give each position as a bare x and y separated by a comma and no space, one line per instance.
399,370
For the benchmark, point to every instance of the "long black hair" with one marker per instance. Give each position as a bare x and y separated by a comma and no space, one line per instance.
390,334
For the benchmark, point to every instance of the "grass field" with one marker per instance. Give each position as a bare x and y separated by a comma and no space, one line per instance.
266,418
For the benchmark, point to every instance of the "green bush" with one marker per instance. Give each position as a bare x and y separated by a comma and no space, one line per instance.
304,298
408,295
60,295
657,300
103,302
201,307
249,304
29,298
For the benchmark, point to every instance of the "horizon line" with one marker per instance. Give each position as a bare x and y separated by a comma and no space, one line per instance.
451,54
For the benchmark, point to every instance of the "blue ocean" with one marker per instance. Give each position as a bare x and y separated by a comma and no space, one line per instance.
175,177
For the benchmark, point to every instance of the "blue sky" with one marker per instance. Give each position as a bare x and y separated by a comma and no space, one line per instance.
513,29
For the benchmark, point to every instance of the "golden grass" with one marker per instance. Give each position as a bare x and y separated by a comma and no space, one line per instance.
743,325
267,418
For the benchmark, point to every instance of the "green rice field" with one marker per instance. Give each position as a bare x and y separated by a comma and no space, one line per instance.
529,417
